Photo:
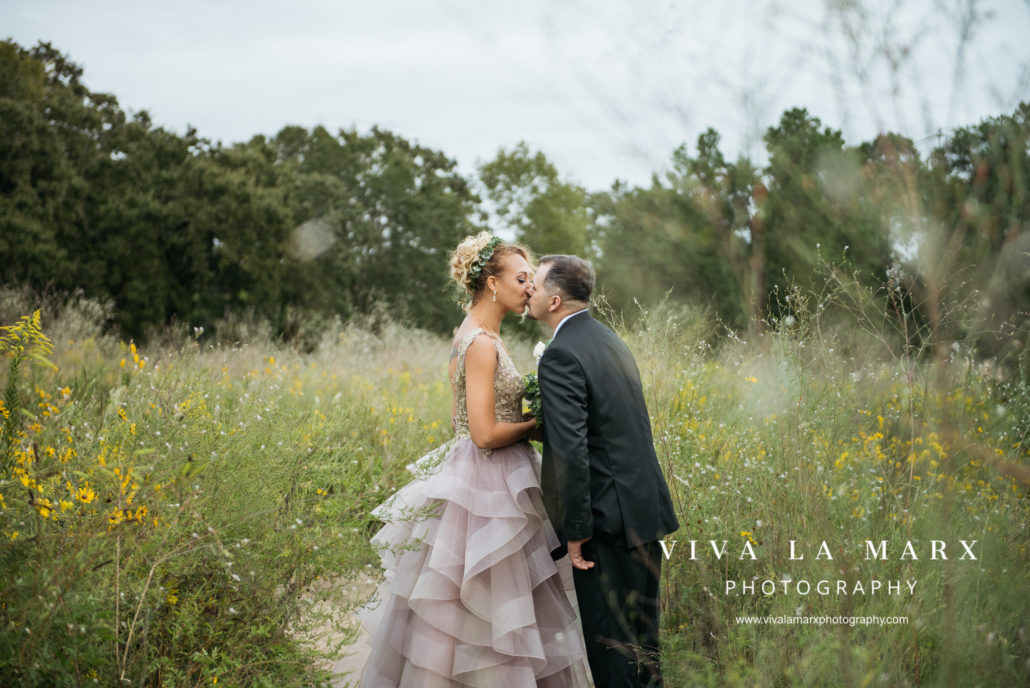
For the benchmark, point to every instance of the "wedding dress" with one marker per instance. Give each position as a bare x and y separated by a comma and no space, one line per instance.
472,596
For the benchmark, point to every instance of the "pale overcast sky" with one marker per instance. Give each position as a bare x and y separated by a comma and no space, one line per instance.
605,88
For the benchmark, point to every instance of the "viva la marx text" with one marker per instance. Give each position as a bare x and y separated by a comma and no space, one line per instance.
937,550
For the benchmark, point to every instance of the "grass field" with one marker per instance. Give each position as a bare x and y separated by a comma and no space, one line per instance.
170,512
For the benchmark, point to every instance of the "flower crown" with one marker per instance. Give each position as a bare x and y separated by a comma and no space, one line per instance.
476,269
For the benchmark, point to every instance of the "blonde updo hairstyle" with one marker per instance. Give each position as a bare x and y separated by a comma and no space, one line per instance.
468,255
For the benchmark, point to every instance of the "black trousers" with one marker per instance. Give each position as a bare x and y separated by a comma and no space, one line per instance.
618,604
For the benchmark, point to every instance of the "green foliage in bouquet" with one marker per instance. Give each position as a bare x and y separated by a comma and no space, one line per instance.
531,397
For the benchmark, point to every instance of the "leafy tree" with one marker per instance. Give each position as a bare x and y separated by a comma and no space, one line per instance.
44,116
728,195
307,223
387,211
171,227
814,207
979,198
545,213
119,209
660,241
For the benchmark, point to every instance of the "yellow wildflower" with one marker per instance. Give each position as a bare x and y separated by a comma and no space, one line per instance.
86,494
44,507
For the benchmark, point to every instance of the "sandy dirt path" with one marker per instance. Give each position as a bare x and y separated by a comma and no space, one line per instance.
347,661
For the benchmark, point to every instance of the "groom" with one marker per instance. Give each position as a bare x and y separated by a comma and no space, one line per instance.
602,485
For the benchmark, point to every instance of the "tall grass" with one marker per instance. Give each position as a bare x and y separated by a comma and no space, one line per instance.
169,511
820,431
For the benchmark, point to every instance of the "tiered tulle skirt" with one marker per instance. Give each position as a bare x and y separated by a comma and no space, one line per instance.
472,596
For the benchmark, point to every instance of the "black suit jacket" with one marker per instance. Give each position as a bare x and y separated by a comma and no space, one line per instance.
601,476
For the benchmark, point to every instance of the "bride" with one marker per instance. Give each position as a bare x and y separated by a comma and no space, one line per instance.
472,596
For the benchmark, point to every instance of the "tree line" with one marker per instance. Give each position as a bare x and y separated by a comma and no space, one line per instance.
311,224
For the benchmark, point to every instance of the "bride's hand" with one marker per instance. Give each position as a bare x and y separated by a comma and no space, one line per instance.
534,430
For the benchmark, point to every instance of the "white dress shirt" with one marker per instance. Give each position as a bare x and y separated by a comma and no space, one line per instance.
570,315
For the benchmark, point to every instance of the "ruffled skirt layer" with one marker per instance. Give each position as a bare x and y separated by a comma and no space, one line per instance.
472,596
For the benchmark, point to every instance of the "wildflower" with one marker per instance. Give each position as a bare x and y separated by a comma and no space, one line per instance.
44,507
26,337
86,494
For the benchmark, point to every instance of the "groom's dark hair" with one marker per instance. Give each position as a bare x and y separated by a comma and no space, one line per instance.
571,276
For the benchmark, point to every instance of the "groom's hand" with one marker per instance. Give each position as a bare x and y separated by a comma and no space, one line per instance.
576,555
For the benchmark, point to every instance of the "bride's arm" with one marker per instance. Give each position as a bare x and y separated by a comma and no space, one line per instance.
485,430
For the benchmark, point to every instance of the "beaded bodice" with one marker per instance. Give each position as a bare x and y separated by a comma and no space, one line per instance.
508,386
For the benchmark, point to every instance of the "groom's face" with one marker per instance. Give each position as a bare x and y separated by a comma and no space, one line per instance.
538,296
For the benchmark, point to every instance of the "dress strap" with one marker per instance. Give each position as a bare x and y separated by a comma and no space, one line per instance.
463,347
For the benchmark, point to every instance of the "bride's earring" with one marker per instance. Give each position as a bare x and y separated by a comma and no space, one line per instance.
495,296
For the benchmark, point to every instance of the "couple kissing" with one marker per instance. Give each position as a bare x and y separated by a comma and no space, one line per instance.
504,567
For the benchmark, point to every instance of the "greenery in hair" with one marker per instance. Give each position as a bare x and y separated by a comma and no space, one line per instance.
476,270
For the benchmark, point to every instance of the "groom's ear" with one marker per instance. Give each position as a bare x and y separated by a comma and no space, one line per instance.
555,303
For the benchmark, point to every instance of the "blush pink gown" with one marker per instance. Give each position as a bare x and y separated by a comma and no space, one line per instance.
472,596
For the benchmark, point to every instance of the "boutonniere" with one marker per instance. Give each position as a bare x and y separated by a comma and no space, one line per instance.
538,351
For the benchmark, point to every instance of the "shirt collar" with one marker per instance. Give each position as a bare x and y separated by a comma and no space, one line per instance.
563,320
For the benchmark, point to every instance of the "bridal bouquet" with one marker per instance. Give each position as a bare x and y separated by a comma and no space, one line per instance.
531,395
